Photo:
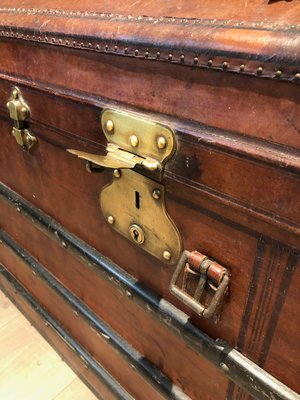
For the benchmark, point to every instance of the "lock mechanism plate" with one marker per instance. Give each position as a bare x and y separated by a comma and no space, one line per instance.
134,202
135,207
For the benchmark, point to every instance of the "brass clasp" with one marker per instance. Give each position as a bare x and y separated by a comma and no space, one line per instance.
134,142
134,202
19,112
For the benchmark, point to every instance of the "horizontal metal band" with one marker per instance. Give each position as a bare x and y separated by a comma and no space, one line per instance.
88,360
239,369
143,366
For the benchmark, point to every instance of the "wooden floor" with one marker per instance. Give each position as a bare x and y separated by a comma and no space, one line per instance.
29,368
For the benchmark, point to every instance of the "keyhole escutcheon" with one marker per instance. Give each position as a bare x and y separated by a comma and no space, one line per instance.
137,234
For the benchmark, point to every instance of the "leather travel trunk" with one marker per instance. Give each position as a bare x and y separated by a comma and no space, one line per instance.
150,191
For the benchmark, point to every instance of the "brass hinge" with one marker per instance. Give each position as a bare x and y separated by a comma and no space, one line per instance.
134,202
19,112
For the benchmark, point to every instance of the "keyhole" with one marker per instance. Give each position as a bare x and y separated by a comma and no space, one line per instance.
136,235
137,200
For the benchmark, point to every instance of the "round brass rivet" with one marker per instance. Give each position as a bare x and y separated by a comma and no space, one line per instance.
111,220
156,194
117,173
134,141
224,65
109,126
161,142
137,234
167,255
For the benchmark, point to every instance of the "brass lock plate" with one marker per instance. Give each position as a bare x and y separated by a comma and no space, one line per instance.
134,205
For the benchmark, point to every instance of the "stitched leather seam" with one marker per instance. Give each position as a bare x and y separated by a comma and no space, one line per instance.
213,61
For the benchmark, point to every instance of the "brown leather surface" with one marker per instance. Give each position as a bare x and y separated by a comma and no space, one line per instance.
232,187
250,106
262,48
260,10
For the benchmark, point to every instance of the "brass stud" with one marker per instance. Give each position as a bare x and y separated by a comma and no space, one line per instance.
147,54
242,67
126,50
224,65
156,194
157,54
117,173
278,73
161,142
182,58
209,63
297,77
196,60
116,48
167,255
109,126
110,220
134,141
136,52
170,56
259,70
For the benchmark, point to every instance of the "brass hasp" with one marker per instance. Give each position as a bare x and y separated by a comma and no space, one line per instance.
133,203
